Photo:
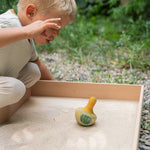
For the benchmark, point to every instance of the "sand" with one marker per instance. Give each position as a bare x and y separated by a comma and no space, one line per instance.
48,123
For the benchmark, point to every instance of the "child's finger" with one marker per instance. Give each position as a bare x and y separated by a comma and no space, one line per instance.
53,20
53,26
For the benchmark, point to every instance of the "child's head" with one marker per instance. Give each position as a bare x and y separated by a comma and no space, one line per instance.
63,8
33,10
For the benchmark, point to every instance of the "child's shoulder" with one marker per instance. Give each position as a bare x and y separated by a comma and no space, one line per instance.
8,19
8,15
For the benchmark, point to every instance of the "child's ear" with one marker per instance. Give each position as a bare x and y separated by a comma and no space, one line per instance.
31,11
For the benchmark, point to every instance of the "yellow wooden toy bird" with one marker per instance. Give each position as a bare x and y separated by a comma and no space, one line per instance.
85,116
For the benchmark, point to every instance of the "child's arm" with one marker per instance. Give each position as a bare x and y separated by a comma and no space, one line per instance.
45,74
11,35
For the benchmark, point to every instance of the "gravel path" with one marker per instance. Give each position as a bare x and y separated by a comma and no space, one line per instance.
64,70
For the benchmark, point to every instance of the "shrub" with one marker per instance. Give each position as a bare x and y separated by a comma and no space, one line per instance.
96,7
8,4
134,10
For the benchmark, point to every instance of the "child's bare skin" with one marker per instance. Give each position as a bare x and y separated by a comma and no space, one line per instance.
20,66
30,31
10,35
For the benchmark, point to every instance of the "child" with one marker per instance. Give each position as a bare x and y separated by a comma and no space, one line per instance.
20,67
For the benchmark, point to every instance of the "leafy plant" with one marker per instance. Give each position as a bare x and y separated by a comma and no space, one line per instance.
8,4
126,46
134,10
96,7
145,126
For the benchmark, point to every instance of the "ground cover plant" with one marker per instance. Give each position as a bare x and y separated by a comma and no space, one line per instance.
117,37
107,41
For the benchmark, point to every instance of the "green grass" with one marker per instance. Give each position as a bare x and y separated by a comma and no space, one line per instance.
145,126
124,77
104,41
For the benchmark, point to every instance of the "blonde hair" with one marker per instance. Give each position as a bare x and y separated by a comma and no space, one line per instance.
65,7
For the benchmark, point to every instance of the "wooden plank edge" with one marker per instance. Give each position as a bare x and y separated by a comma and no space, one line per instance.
86,89
138,120
8,111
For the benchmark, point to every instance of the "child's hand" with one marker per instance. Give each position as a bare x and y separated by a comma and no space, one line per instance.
50,33
38,27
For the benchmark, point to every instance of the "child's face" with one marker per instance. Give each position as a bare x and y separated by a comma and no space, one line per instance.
49,34
45,37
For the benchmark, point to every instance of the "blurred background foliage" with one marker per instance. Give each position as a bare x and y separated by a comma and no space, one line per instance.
8,4
106,32
135,9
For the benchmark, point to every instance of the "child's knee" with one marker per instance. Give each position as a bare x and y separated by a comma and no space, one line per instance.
30,74
11,91
18,88
36,74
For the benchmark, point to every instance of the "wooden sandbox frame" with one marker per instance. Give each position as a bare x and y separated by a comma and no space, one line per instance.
82,90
